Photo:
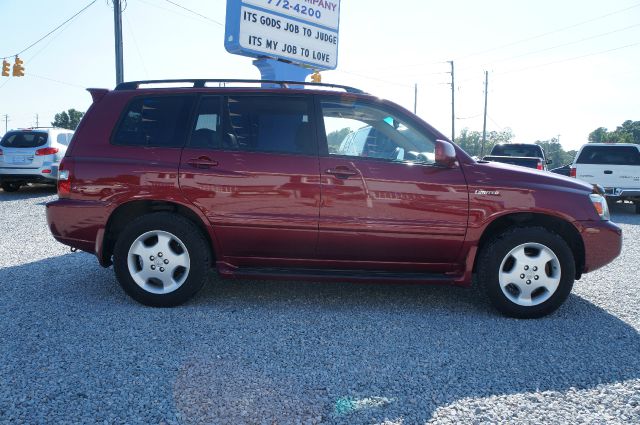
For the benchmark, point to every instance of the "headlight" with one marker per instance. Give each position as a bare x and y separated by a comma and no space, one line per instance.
600,204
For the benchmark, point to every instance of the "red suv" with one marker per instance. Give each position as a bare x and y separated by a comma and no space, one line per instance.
320,183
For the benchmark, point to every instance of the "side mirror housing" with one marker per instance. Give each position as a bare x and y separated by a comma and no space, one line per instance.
549,161
445,154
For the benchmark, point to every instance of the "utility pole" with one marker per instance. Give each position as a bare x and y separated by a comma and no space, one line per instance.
484,123
6,121
117,18
37,121
453,104
415,99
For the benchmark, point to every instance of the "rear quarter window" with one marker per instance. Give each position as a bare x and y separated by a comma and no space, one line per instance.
154,121
24,139
612,155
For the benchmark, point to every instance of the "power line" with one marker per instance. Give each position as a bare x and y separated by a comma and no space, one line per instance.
58,81
571,59
554,47
374,78
135,43
52,31
195,13
461,58
552,32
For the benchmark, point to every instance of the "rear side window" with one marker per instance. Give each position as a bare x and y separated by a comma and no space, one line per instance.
515,150
64,138
613,155
207,133
24,139
269,124
158,121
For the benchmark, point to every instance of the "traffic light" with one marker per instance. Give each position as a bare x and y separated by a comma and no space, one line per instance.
18,69
316,77
5,68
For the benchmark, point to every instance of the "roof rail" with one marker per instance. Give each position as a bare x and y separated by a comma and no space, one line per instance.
201,83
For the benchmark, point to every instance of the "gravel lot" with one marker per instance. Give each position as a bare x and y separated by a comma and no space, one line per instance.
75,349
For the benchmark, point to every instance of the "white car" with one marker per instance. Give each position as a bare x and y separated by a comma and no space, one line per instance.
615,167
32,155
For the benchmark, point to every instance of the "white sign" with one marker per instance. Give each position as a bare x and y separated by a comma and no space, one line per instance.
293,40
318,12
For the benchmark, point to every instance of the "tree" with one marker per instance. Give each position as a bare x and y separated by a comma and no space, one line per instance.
471,141
628,132
68,119
556,153
335,138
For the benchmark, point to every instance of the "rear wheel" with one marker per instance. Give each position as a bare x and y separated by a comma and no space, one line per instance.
10,186
527,272
161,259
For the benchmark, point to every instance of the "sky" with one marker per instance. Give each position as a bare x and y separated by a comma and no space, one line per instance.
556,68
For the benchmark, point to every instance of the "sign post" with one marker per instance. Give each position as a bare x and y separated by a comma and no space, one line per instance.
290,39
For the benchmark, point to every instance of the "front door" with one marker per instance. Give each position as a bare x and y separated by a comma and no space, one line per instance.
385,203
251,166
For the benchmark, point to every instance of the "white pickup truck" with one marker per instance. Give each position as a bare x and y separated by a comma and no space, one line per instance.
615,167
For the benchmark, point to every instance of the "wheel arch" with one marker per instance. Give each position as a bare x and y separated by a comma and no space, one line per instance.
129,211
563,228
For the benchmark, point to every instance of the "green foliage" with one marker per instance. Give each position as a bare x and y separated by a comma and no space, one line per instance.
628,132
554,151
68,119
471,141
335,138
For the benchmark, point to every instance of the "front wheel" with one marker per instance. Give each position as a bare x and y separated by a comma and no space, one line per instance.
10,186
527,272
161,259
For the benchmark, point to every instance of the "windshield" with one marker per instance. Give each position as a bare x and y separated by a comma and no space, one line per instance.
24,139
516,150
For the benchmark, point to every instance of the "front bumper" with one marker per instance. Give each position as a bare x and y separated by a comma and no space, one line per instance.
602,243
618,192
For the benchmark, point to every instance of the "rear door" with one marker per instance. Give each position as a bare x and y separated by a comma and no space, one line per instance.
251,166
615,166
385,204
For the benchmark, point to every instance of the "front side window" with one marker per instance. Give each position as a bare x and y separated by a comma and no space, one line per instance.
369,131
269,124
157,121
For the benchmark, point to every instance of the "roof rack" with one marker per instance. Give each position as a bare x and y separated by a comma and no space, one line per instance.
201,83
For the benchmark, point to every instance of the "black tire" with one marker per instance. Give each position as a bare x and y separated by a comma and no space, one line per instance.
497,250
11,186
192,242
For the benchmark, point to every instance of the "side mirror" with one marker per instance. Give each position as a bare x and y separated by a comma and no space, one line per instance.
445,154
549,161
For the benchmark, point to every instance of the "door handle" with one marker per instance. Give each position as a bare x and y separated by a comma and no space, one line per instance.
202,162
608,172
342,172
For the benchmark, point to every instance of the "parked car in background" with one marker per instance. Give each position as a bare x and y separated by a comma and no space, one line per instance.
527,155
615,167
565,170
171,183
32,155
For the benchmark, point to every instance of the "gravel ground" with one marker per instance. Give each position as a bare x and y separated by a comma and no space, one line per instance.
75,349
